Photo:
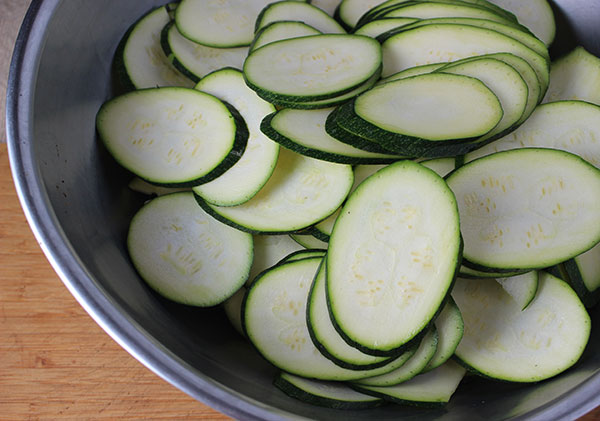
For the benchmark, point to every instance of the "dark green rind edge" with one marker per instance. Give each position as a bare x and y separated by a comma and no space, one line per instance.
166,47
589,298
392,399
259,33
297,255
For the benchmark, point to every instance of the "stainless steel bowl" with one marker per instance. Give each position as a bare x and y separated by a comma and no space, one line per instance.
76,200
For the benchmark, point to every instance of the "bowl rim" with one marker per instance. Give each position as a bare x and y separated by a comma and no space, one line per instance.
111,317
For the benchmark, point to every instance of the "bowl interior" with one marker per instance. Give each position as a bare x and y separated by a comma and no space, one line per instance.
61,167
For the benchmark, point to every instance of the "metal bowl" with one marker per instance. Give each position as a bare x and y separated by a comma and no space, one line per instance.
76,200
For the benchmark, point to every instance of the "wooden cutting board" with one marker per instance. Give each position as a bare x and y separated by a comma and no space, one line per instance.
55,362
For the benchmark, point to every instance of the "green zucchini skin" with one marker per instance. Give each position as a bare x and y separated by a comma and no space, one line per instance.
575,279
164,43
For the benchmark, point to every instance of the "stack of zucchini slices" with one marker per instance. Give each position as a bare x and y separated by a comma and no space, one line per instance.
370,188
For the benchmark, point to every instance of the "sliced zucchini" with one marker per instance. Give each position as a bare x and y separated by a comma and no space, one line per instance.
303,254
242,181
274,318
303,131
270,250
312,68
536,15
350,11
583,273
415,365
309,241
429,10
522,288
433,388
377,27
502,341
285,29
572,126
303,12
321,393
576,76
393,255
141,186
442,166
527,208
467,272
450,327
300,192
184,254
326,226
172,136
328,6
196,60
233,309
413,71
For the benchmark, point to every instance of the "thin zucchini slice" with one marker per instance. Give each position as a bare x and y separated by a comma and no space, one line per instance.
442,166
413,71
303,12
328,6
309,241
303,254
377,27
140,60
303,131
321,393
326,226
434,388
572,126
450,42
270,250
583,273
219,23
414,366
467,272
300,192
393,255
450,327
285,29
527,208
576,76
196,60
430,10
506,83
502,341
233,309
274,318
242,181
312,68
522,288
326,338
536,15
172,136
184,254
350,11
138,185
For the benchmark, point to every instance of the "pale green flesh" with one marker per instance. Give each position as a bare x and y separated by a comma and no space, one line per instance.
521,288
352,10
442,107
141,186
377,27
309,241
269,250
325,333
185,254
412,367
437,385
326,225
472,273
412,71
428,10
572,126
275,320
303,254
300,192
239,183
441,166
328,6
527,208
167,135
329,390
392,256
450,327
202,60
314,65
451,42
233,309
283,30
575,76
303,12
501,340
362,172
307,128
506,83
145,62
536,15
588,264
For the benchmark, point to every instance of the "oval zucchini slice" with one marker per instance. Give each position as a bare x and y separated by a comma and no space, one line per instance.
303,12
285,29
393,255
527,208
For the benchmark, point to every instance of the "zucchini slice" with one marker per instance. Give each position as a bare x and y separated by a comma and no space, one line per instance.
434,388
536,15
377,27
303,254
442,166
184,254
270,250
303,12
575,76
350,11
284,29
313,67
233,309
196,60
572,126
467,272
138,185
414,366
583,273
303,131
242,181
328,394
309,241
393,255
430,10
301,192
172,136
413,71
522,288
504,342
140,60
274,318
328,6
527,208
450,327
